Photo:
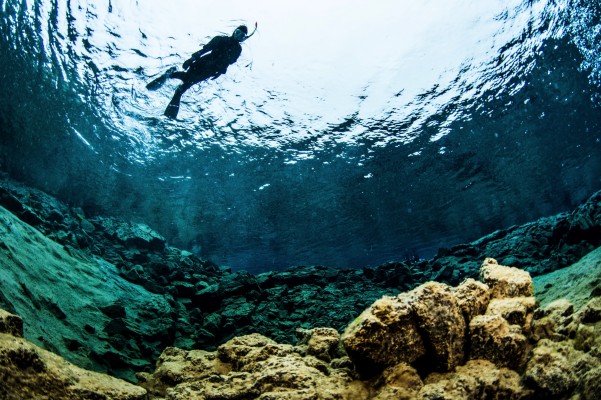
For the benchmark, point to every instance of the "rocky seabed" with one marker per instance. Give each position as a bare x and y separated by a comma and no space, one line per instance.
482,339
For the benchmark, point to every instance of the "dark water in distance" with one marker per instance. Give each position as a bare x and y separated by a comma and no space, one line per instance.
370,133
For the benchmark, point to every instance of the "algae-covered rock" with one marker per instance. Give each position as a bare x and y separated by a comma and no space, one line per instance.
400,381
556,368
440,320
11,324
29,372
494,339
585,328
591,384
473,298
250,367
79,306
384,335
517,311
322,343
551,322
577,283
506,281
476,380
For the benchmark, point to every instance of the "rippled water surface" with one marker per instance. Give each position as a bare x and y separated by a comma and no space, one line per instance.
348,133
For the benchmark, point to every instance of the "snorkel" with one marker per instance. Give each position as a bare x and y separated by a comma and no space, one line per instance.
252,33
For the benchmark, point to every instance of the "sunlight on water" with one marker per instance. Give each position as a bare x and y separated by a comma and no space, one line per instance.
310,69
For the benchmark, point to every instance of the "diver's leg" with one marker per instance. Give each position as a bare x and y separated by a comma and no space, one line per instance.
189,78
158,82
181,75
173,106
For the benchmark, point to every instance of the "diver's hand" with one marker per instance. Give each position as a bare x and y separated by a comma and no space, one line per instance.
187,63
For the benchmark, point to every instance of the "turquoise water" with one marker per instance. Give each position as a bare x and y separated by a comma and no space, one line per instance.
348,134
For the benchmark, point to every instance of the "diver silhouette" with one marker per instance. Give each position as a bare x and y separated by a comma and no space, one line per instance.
209,62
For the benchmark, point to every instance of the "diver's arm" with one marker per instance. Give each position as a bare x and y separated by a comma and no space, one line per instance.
213,43
195,56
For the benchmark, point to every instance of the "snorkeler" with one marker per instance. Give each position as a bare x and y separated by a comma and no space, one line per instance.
209,62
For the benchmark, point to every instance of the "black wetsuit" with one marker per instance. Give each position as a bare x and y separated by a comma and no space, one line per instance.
209,62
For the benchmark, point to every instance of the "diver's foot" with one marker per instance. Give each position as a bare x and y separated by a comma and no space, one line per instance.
158,82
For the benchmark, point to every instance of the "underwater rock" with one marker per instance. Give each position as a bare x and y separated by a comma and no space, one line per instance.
184,289
436,316
29,372
506,281
115,310
64,295
539,247
322,343
236,283
400,381
591,384
249,367
492,338
11,324
502,356
577,283
204,305
516,311
556,368
477,379
440,322
472,297
550,322
430,323
384,335
130,234
502,362
591,313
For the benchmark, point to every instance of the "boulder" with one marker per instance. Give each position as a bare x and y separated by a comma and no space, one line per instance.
425,322
440,321
494,339
506,281
322,343
472,297
517,311
384,335
136,235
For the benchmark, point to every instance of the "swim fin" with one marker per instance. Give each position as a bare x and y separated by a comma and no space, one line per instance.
171,111
173,106
158,82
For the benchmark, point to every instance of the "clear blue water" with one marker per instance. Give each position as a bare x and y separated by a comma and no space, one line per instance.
348,133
